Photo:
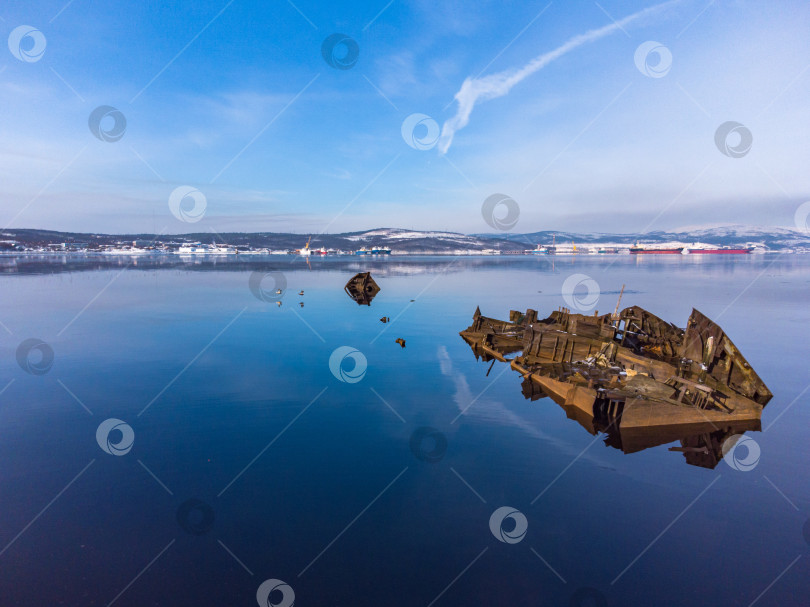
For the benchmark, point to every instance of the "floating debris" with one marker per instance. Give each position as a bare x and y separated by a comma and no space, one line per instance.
385,319
632,375
400,341
362,288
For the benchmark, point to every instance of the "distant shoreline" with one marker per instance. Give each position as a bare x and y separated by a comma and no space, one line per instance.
399,241
246,256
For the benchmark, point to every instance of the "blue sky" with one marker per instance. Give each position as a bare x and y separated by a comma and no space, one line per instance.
236,100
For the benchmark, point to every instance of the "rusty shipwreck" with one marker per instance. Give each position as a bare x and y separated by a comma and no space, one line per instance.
641,380
362,288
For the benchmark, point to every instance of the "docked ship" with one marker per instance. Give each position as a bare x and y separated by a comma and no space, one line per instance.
199,249
564,249
218,249
124,251
642,249
700,249
193,249
373,251
539,250
305,251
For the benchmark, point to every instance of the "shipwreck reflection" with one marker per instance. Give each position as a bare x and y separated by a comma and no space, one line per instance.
641,381
701,444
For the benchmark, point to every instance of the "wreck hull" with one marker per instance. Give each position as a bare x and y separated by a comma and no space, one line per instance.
362,288
638,378
561,392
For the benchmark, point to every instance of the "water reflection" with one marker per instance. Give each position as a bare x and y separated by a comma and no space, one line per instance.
394,265
410,265
700,444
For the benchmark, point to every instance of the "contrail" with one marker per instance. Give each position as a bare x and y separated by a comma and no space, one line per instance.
498,85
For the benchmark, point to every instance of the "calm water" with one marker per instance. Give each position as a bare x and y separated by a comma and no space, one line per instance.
316,482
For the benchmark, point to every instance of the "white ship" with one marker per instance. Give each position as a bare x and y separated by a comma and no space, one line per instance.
124,251
564,249
218,249
193,249
305,251
200,249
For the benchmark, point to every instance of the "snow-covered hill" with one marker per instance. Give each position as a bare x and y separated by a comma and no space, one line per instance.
773,238
429,242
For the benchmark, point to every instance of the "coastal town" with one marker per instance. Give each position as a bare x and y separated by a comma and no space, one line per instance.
197,248
385,242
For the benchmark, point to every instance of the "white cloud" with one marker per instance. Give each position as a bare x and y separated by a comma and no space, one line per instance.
498,85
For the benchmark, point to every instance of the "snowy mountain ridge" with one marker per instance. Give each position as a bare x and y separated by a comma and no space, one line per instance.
412,241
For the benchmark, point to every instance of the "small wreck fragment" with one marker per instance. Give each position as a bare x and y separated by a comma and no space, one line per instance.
632,375
362,288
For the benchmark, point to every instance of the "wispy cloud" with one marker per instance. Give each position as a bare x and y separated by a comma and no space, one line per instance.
342,174
498,85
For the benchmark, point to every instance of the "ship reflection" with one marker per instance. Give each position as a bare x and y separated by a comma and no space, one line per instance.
701,444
